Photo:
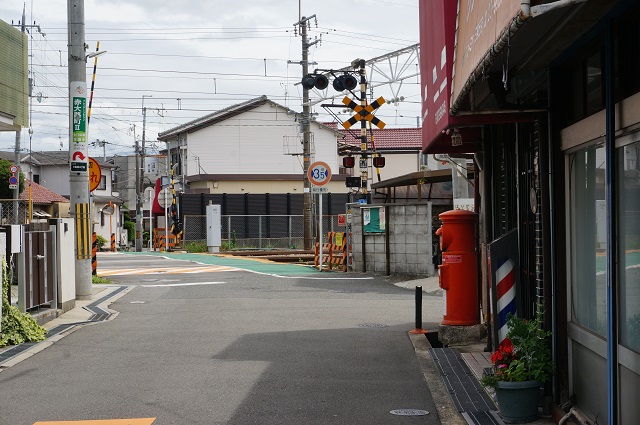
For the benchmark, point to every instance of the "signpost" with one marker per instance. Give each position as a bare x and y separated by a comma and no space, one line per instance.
95,174
13,180
319,174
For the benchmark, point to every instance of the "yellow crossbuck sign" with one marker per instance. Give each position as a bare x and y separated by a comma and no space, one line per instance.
366,113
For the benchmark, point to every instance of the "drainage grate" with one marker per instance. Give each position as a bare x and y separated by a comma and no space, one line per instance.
482,418
372,325
409,412
464,388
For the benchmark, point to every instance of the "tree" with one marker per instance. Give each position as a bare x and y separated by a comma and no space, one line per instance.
5,174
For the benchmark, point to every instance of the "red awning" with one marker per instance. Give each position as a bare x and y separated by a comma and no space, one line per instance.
437,42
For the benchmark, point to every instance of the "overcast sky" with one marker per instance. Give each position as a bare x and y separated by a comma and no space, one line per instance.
190,58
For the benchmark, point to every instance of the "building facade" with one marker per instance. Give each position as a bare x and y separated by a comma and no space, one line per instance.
546,96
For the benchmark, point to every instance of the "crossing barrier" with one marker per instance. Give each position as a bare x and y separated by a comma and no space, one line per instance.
160,241
334,252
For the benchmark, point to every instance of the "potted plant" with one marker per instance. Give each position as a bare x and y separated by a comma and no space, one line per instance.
521,365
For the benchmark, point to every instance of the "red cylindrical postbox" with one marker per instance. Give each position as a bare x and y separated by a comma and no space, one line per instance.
459,268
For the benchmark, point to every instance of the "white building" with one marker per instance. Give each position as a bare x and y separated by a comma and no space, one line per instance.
251,147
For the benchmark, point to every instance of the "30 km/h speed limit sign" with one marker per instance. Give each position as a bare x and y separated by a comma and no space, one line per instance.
319,173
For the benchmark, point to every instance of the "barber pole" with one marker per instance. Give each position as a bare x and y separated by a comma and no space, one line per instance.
506,294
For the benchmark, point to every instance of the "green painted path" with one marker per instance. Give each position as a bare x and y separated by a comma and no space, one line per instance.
251,264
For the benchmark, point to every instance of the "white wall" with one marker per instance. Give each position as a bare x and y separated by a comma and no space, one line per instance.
253,143
66,263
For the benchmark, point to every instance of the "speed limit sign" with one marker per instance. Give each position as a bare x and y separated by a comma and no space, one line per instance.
13,169
319,173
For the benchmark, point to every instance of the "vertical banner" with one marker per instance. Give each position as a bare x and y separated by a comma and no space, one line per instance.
505,282
78,148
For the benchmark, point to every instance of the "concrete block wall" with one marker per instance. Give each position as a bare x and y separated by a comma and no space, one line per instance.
410,241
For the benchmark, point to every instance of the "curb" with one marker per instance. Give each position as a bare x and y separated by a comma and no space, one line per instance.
447,411
100,313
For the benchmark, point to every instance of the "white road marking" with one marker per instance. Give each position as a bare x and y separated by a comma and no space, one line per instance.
182,284
166,270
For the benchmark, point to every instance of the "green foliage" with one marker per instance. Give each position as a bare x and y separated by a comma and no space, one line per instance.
524,356
196,247
125,213
16,327
231,244
131,230
100,280
100,242
5,192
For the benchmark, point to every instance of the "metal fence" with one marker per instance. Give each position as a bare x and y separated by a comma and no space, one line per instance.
10,215
256,231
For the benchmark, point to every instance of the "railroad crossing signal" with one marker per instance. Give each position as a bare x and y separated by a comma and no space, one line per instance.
366,113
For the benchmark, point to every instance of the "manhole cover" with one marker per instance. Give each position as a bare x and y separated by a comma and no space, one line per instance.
409,412
372,325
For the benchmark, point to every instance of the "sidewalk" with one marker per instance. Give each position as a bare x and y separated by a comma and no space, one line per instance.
85,312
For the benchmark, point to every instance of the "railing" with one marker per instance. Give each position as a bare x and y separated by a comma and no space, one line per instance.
255,231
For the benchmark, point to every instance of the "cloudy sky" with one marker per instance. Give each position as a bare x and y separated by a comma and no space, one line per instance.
189,58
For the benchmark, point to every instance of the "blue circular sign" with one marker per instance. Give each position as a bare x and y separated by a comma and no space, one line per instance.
13,180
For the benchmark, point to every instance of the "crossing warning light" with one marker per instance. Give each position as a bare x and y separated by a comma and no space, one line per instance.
348,162
378,161
345,82
318,81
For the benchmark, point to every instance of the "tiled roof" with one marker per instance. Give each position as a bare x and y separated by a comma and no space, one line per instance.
40,194
388,138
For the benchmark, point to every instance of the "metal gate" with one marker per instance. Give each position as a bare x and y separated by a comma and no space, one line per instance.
39,261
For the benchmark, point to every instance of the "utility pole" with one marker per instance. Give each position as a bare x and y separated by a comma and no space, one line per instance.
364,160
306,137
78,149
140,180
138,200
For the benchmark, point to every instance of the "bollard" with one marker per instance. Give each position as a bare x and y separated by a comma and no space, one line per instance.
418,329
418,307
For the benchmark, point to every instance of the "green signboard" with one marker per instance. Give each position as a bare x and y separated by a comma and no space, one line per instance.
373,219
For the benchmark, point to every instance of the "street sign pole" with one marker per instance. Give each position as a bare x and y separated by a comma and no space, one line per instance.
320,228
78,149
319,174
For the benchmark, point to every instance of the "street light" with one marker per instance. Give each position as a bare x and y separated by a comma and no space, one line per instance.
94,55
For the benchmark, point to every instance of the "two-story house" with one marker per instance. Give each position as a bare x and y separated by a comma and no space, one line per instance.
50,169
251,147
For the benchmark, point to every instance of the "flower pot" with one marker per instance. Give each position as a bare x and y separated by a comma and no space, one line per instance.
518,401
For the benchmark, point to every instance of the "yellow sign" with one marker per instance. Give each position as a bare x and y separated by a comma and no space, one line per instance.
142,421
339,236
366,113
95,174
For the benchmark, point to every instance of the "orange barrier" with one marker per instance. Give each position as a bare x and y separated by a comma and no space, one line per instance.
160,241
113,242
334,252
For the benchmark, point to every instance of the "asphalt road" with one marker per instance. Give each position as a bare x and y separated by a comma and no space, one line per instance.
225,341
